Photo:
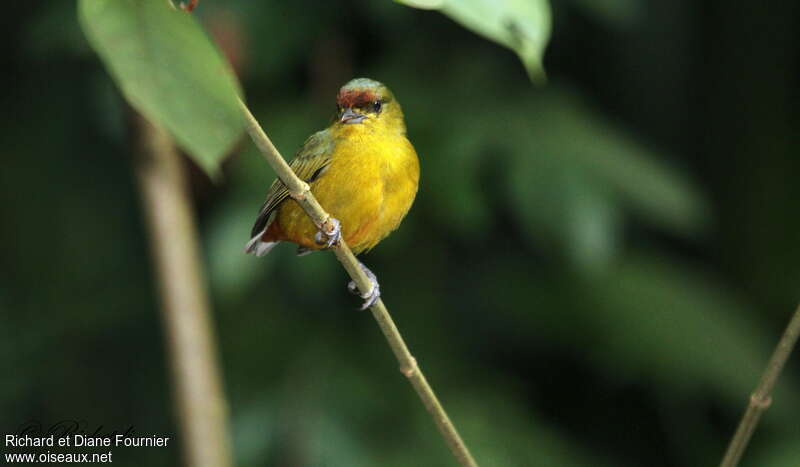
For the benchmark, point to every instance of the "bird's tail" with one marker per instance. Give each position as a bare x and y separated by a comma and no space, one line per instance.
258,247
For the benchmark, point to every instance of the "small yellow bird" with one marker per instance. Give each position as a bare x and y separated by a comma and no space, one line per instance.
363,171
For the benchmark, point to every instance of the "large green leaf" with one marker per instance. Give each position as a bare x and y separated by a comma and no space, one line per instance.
169,71
521,25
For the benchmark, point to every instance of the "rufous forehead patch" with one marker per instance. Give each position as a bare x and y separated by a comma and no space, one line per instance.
355,98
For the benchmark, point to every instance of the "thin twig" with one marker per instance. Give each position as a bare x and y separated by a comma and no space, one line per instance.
299,191
761,398
201,409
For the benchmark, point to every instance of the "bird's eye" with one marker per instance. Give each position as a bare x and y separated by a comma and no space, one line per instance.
376,106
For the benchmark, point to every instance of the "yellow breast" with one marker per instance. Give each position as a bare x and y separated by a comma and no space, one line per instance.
369,187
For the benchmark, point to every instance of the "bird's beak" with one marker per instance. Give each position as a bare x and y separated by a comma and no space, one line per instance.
349,116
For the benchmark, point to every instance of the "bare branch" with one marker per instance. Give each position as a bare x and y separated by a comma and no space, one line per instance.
761,398
408,365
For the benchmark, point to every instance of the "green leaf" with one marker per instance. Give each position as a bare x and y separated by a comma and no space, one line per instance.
576,138
566,209
520,25
169,71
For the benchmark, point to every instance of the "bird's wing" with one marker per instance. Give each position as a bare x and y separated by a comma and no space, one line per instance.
309,163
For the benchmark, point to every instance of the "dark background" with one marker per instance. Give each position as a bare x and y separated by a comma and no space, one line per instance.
594,273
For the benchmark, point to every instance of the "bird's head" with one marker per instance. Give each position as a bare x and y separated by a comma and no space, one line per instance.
364,104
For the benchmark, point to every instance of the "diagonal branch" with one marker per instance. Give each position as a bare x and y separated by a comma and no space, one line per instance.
761,398
300,192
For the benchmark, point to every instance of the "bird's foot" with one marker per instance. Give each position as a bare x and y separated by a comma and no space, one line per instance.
374,293
331,237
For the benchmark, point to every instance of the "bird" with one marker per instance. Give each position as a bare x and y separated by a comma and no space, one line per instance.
362,170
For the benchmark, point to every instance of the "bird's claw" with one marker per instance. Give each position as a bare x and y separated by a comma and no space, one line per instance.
330,239
374,292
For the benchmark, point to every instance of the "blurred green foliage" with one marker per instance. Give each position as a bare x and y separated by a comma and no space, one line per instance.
162,61
594,272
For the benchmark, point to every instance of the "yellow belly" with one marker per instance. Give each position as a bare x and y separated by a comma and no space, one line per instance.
369,187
